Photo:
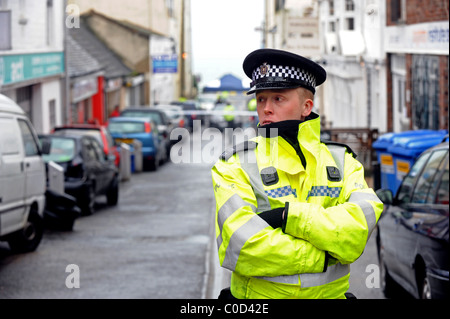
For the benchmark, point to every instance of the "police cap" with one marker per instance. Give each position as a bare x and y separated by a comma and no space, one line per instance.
276,69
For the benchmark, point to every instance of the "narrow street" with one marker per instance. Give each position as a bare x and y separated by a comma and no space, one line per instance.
157,243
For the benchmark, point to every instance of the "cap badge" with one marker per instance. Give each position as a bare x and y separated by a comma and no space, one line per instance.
263,69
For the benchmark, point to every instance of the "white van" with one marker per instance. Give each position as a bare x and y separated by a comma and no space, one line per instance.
22,180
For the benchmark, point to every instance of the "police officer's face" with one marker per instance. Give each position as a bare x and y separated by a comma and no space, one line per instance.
281,105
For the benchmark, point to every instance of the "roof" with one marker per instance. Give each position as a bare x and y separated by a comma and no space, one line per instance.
140,30
79,61
8,105
109,61
228,82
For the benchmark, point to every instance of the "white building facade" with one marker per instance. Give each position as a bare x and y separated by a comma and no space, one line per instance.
353,55
32,58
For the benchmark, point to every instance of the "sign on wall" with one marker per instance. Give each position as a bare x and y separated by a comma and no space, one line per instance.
23,67
430,37
165,63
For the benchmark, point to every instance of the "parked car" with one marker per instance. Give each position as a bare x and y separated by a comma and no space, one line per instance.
127,129
22,180
218,120
100,132
413,238
189,106
175,114
87,171
162,121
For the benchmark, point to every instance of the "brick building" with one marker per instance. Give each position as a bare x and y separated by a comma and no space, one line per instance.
417,48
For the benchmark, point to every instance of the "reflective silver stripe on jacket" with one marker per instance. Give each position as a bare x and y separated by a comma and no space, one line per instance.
249,165
256,223
313,280
228,208
362,200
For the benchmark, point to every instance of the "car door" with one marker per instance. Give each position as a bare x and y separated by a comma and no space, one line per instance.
12,176
103,171
416,212
393,236
33,164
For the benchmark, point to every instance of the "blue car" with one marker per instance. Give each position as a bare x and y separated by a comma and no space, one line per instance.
127,130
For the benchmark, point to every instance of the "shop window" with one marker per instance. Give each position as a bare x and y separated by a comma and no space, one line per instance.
331,7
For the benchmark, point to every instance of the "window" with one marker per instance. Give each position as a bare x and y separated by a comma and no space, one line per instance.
29,142
350,23
279,5
89,151
5,30
349,5
442,193
52,112
50,23
404,192
332,26
8,141
331,7
426,179
397,11
99,154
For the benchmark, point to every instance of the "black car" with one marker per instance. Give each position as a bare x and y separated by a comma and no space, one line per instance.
412,237
162,121
87,171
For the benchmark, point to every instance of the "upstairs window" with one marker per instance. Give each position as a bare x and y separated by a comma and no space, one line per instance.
349,5
5,30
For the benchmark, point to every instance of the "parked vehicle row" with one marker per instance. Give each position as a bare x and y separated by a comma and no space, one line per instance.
413,231
152,126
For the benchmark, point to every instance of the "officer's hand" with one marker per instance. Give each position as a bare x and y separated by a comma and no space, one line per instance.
273,217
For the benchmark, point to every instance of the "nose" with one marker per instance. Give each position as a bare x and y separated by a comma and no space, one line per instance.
268,109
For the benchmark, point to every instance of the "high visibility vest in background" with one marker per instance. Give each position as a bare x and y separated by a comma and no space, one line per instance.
252,105
229,108
331,213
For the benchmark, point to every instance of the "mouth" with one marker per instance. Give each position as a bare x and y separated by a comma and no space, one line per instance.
266,122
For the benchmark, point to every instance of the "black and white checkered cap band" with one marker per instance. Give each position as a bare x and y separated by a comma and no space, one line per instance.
285,72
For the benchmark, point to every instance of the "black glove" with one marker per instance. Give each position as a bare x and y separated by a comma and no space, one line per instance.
273,217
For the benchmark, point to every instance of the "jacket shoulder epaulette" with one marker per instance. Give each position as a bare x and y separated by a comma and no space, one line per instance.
333,143
244,146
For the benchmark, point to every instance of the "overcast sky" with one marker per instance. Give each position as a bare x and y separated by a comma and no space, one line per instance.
223,33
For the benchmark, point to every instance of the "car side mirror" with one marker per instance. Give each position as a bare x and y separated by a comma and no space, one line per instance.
385,195
45,146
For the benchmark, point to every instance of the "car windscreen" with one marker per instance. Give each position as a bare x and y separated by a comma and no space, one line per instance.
61,150
126,127
154,116
80,132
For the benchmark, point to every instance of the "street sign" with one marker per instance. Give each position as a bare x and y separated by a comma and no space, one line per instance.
166,63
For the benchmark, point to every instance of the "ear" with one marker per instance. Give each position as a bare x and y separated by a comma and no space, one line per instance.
308,104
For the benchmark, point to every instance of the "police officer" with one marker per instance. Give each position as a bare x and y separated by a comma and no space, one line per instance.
292,213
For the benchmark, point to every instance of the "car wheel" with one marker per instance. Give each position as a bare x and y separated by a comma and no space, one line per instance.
112,197
28,238
88,202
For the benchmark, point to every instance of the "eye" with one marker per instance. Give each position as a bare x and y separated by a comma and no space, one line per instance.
278,98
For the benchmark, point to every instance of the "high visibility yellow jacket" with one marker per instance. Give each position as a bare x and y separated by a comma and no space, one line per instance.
229,108
330,210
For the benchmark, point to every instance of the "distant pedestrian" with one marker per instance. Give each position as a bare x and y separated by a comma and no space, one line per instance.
115,112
